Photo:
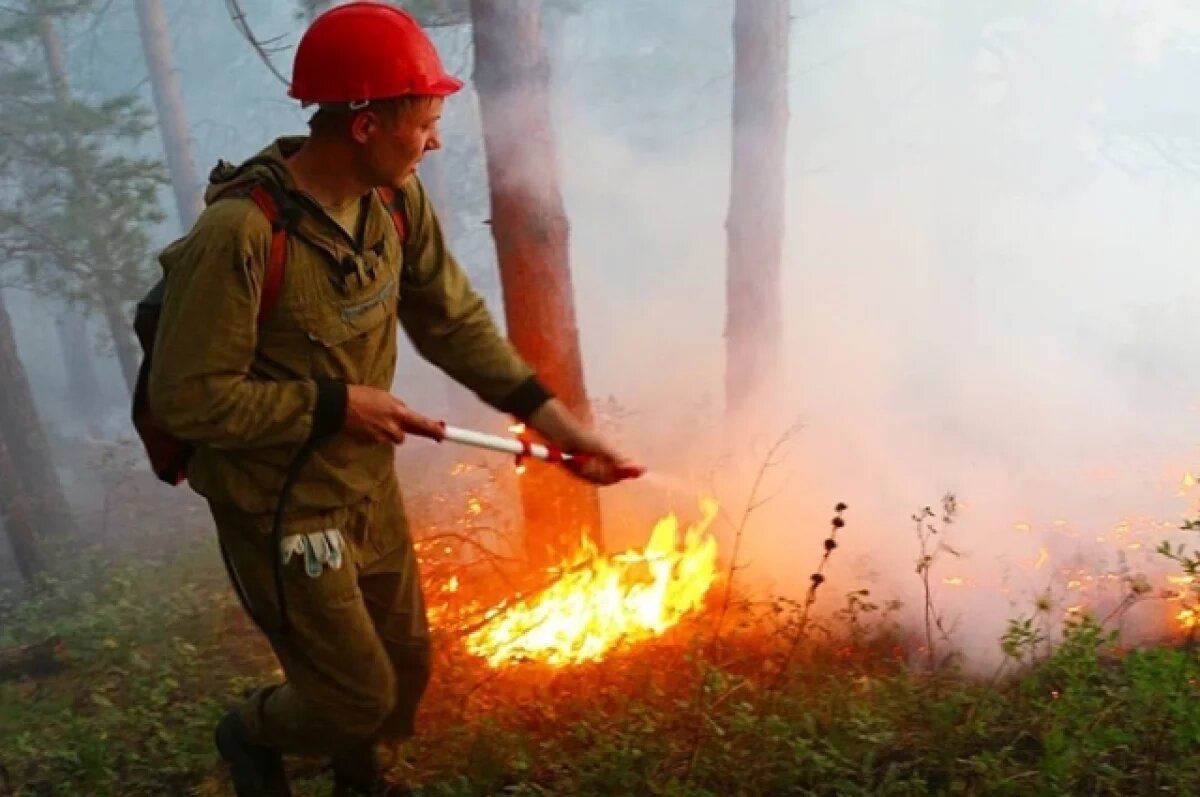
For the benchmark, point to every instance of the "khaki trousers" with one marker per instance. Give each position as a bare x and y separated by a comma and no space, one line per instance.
356,653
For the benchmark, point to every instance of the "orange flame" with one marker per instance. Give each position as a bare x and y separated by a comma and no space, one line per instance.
600,602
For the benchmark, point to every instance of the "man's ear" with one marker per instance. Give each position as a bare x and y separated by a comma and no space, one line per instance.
363,124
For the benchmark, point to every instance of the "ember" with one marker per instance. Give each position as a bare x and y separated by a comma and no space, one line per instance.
599,602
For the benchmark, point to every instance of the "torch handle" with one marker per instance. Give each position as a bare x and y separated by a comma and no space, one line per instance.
510,445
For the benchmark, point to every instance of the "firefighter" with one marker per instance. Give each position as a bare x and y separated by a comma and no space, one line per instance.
333,579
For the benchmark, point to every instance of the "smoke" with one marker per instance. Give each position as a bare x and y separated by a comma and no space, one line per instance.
986,293
987,275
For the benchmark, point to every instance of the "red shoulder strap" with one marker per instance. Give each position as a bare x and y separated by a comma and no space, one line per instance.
394,201
277,259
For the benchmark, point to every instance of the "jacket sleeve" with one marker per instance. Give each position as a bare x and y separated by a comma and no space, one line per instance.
449,323
200,385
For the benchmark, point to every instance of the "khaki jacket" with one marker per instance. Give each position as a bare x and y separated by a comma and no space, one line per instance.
249,395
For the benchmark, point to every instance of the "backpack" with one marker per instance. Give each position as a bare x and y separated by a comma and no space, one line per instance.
168,455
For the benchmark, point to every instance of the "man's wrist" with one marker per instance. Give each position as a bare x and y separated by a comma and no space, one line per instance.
329,414
555,422
524,402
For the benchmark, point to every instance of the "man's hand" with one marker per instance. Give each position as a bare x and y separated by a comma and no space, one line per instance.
594,460
378,416
600,463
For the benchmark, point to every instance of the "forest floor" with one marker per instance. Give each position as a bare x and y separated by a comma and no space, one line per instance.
741,700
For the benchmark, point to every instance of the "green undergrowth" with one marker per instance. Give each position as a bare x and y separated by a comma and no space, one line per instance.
155,646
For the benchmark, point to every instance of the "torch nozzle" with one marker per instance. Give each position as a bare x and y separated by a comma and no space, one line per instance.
631,472
440,431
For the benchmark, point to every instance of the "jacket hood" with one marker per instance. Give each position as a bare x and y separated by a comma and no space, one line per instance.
268,165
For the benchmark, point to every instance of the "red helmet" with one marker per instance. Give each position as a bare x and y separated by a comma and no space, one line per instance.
367,51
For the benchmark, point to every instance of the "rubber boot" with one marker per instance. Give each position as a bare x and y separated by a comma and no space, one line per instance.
256,771
348,786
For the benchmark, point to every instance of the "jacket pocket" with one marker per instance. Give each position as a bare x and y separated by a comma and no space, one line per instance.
332,322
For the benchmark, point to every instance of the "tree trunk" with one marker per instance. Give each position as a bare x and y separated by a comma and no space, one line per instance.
17,519
529,226
120,325
172,118
118,322
25,440
755,225
82,383
56,62
460,403
33,661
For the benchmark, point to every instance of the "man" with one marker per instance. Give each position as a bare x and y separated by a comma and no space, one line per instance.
295,404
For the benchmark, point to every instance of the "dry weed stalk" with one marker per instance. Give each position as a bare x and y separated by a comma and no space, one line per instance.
753,503
927,530
772,460
810,597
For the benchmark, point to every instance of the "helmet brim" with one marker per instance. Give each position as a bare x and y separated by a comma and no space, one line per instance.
441,87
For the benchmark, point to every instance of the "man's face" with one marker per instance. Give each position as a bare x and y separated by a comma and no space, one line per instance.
395,139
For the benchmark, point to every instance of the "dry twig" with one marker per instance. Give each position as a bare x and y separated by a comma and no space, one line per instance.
243,25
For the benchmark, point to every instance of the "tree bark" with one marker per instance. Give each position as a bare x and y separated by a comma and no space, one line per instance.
120,325
755,224
529,226
56,62
31,661
28,450
460,403
17,519
172,117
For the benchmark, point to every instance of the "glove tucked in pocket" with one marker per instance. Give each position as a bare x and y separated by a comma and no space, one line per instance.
319,549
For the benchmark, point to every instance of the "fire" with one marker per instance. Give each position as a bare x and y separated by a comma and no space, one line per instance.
1187,618
600,602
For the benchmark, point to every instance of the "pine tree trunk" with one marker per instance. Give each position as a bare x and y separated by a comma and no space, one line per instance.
172,118
40,659
82,382
120,325
529,226
755,225
460,403
17,519
56,62
25,440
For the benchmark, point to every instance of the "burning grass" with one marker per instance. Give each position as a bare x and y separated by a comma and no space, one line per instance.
596,602
731,697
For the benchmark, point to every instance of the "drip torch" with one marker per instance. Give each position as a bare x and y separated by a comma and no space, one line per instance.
518,447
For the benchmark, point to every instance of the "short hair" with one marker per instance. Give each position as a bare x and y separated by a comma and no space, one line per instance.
334,118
